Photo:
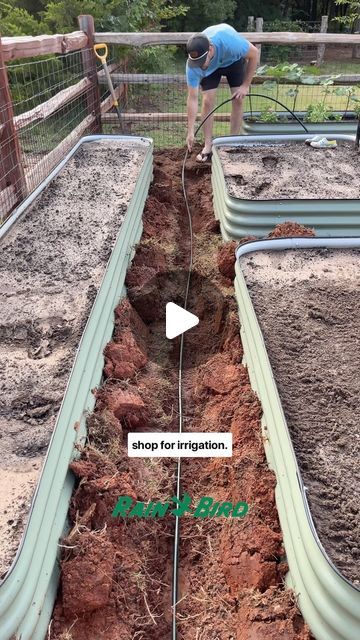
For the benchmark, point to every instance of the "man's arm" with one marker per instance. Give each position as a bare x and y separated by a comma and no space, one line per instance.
192,109
252,58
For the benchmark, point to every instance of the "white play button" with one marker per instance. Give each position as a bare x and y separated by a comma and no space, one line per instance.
178,320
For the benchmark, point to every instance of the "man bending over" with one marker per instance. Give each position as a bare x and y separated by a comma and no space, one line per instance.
217,51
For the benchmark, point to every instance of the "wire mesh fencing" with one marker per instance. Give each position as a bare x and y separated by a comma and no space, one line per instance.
154,103
274,54
47,105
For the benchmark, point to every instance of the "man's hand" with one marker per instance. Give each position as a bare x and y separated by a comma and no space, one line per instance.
241,92
190,140
252,58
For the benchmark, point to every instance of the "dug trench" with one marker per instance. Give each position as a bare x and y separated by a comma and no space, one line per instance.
116,572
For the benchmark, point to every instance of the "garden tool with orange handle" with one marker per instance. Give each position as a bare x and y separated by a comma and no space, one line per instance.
101,52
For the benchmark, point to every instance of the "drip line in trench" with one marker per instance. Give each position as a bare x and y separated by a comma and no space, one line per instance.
175,577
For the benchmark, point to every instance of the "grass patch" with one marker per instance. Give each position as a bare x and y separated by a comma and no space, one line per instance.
160,99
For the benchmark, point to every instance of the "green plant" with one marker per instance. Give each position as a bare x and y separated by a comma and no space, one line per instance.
283,70
280,53
202,13
326,83
293,72
25,75
271,86
350,93
111,15
16,21
357,109
293,93
268,115
352,16
336,116
309,80
151,59
318,112
312,70
356,99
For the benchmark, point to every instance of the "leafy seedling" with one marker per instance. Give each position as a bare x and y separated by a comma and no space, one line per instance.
293,93
317,113
268,115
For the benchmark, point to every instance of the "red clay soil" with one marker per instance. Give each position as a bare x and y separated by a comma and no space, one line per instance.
290,229
226,253
116,573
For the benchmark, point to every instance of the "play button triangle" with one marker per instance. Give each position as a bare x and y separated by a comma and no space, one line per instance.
178,320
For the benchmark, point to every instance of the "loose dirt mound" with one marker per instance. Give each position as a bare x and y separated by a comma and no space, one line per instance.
226,252
116,574
291,229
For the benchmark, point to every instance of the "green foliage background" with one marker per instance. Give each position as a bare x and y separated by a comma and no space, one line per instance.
29,17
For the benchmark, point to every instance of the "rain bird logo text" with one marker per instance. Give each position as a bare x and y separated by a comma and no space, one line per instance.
126,507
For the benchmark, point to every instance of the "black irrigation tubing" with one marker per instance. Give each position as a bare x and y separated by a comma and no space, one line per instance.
175,578
261,95
357,138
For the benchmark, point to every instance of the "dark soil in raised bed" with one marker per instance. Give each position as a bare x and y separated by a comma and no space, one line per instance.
51,265
308,306
291,171
116,574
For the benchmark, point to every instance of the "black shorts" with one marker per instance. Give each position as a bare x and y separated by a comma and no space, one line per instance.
234,73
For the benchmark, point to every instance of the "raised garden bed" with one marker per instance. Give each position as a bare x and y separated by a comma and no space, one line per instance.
303,303
89,213
291,171
252,125
116,573
259,181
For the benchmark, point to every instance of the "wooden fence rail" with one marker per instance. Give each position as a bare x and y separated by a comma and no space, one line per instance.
268,37
30,46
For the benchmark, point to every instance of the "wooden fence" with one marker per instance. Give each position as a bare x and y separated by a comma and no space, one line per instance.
15,183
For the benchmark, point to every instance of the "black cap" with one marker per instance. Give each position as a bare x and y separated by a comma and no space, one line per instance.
197,48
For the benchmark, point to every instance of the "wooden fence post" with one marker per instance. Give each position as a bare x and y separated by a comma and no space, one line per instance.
356,48
12,172
86,24
259,23
250,26
321,47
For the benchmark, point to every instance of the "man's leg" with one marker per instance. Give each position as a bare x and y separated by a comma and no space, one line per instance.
237,109
208,103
